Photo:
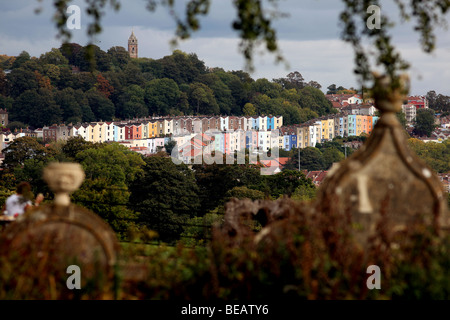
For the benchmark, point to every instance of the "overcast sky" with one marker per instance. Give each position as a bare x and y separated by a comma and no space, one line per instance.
308,39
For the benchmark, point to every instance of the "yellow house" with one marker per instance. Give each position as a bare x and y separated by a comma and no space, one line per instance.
145,131
102,128
280,141
152,129
278,122
92,132
360,121
331,126
302,136
325,129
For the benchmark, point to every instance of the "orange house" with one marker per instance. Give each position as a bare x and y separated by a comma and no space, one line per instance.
137,131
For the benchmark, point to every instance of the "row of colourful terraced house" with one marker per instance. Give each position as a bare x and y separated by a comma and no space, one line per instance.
326,129
159,127
261,132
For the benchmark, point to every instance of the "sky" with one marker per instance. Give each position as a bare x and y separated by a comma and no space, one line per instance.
308,38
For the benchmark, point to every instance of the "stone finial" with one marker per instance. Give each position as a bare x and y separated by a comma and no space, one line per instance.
389,96
63,179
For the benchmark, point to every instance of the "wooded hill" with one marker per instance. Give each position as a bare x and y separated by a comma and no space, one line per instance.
63,86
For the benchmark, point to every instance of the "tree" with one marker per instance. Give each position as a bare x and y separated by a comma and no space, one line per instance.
264,86
286,182
425,123
332,89
169,146
221,91
84,81
36,108
54,57
14,125
438,102
311,159
43,81
215,180
294,80
161,95
74,145
6,103
119,56
181,67
166,196
134,103
53,72
331,155
71,52
20,150
102,107
112,162
3,84
201,97
239,90
109,169
243,192
21,59
21,80
315,100
103,86
291,113
436,155
249,109
314,84
69,100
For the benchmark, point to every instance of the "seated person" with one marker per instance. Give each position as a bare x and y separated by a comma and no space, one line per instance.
17,203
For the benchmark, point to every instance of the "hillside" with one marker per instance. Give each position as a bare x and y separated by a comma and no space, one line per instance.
63,86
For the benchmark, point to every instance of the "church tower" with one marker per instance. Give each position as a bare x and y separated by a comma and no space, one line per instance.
133,45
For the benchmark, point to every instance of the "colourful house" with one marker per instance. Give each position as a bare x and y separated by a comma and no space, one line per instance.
278,122
270,123
351,125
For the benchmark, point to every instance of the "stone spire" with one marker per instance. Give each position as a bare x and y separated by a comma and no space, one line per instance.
133,45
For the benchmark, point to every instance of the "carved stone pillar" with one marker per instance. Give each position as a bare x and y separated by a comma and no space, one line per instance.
37,249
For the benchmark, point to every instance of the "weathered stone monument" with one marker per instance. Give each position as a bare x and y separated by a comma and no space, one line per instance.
384,178
383,183
37,250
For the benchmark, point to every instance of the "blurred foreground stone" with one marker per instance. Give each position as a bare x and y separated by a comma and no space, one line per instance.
382,190
37,248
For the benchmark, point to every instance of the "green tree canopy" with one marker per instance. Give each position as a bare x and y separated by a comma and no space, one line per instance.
36,108
55,57
101,106
166,196
112,162
202,99
161,95
22,149
425,123
287,182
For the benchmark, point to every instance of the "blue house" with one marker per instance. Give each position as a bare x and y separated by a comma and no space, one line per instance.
270,123
352,125
292,141
255,123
